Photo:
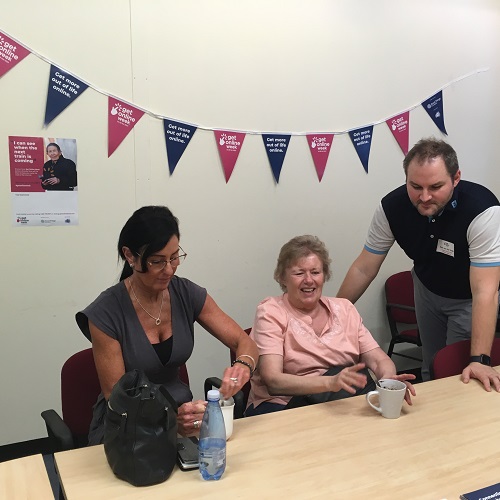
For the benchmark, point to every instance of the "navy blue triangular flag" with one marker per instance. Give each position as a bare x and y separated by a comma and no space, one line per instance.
434,107
276,147
63,89
362,140
177,137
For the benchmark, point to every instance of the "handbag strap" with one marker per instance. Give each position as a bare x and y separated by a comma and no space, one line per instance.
169,398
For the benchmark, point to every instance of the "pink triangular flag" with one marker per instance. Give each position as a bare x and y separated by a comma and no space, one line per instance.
229,145
11,53
400,128
122,117
320,145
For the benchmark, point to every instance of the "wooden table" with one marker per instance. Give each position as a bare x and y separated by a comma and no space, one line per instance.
25,478
446,444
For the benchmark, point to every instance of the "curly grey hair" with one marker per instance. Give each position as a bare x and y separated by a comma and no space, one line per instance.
295,249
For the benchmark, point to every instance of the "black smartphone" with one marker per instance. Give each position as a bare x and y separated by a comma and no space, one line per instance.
187,453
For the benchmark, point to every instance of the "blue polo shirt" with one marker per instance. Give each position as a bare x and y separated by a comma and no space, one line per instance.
443,247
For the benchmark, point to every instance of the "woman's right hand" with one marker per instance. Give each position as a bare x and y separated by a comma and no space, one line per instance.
189,417
348,379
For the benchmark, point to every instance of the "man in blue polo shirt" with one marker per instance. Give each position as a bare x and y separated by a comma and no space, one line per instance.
451,230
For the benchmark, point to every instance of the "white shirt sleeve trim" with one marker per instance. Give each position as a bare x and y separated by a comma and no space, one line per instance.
483,236
380,238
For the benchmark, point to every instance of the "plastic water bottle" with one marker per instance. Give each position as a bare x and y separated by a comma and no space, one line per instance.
212,443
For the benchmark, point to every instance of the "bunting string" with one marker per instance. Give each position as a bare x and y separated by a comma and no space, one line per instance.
64,88
251,132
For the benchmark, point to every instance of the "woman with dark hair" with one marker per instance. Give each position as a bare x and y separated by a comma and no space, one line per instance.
59,173
146,321
313,348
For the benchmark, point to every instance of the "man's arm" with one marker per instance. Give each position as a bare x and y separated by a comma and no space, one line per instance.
361,273
484,283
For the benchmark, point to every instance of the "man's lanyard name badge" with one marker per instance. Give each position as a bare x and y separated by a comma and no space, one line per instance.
446,247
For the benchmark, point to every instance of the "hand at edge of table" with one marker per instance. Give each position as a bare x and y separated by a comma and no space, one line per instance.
487,375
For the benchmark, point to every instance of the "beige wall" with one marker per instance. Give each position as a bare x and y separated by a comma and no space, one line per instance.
289,66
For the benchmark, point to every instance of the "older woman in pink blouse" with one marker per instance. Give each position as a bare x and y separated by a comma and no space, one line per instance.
312,348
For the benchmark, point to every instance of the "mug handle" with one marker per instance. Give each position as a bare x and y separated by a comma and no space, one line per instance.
368,396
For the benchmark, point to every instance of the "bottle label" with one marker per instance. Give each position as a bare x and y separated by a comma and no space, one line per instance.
219,457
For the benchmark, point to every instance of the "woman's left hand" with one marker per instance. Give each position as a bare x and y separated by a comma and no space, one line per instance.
52,181
410,390
189,417
234,378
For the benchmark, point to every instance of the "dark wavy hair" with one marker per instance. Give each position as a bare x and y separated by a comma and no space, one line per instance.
148,230
53,144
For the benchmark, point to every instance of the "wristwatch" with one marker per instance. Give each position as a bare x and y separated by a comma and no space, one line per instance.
483,359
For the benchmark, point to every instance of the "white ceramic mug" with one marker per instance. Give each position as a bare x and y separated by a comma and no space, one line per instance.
391,394
227,407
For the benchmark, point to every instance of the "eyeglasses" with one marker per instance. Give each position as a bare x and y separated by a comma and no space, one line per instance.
160,264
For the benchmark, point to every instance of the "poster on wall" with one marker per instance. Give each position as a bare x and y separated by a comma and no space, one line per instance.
43,181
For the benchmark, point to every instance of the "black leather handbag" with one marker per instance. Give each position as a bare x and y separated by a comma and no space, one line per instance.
140,430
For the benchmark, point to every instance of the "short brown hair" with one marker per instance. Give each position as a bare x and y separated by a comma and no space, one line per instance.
295,249
429,148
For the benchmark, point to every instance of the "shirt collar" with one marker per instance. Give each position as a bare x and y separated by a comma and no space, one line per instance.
452,205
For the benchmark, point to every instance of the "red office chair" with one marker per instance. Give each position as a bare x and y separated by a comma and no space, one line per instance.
79,390
400,308
241,397
452,359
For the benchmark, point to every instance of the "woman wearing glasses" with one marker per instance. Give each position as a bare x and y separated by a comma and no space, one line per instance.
146,321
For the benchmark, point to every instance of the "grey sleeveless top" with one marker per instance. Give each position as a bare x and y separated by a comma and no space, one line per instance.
114,314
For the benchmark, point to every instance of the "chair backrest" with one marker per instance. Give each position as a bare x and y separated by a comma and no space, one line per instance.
452,359
399,291
80,388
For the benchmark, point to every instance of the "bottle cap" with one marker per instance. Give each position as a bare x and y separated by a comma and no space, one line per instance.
213,395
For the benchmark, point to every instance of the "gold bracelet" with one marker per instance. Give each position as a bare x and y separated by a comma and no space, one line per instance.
249,357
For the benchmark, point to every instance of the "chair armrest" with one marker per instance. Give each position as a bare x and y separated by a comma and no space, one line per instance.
58,431
211,382
239,404
239,397
399,306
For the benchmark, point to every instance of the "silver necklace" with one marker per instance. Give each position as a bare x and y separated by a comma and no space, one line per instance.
157,320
